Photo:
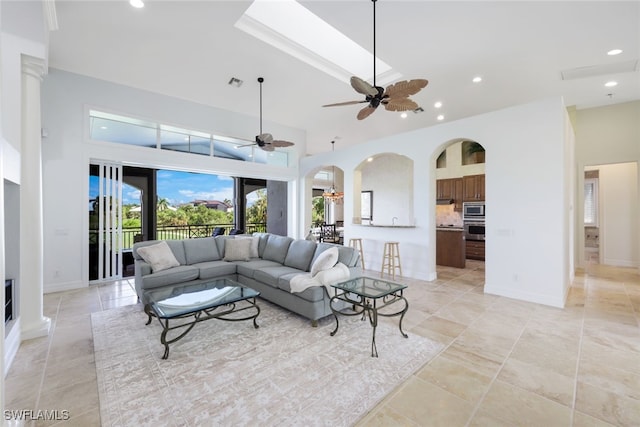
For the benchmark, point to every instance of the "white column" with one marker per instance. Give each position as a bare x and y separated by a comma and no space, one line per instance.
33,323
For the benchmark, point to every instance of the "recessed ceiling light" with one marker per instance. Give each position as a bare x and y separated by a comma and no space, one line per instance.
138,4
611,84
614,52
404,115
103,127
477,79
370,159
438,104
440,117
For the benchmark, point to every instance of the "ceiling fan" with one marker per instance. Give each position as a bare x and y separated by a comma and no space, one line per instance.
394,98
265,140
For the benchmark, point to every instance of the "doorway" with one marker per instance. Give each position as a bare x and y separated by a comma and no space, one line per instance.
610,212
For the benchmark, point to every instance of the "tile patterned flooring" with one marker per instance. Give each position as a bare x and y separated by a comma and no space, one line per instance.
506,362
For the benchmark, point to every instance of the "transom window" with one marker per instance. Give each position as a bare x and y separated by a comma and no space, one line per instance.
110,127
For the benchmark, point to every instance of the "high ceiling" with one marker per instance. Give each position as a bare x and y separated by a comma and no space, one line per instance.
191,50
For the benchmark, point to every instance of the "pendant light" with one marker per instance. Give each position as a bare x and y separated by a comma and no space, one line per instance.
332,194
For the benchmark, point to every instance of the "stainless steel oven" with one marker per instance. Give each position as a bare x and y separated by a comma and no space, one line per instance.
473,211
474,230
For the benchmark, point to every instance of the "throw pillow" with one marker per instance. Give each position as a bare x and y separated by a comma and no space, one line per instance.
237,249
255,241
325,260
159,256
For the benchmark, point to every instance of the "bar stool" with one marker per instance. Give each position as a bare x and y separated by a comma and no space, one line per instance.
391,259
357,244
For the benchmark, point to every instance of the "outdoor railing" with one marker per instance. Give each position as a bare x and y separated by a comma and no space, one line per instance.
177,232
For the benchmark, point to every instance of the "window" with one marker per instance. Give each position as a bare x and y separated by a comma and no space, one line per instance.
591,202
127,130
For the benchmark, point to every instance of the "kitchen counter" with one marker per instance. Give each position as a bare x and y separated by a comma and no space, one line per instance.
450,247
447,228
389,225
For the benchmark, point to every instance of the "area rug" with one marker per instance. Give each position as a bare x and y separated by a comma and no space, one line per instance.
284,373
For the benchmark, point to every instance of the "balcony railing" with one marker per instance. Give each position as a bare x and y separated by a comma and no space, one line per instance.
177,232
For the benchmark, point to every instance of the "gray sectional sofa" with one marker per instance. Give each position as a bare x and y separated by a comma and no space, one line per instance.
278,260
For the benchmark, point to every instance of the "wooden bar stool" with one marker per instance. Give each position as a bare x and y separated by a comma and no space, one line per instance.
391,259
357,244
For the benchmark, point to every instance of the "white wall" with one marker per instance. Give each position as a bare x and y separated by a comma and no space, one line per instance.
525,229
618,196
389,176
67,152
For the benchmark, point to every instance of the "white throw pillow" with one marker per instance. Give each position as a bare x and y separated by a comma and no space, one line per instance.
325,260
237,249
255,241
159,256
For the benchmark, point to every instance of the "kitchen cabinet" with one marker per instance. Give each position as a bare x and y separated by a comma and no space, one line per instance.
451,188
474,250
450,248
473,188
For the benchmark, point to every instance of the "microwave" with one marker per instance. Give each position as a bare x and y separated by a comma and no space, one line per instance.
473,211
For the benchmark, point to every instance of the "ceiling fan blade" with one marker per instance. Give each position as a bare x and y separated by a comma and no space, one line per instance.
399,104
405,88
365,112
266,138
267,147
280,143
345,103
363,87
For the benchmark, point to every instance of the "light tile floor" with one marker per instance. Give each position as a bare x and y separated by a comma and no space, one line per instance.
505,362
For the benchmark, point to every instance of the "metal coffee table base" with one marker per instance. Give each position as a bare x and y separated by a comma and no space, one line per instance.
223,312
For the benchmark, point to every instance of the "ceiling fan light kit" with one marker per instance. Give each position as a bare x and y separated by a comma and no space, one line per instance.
394,98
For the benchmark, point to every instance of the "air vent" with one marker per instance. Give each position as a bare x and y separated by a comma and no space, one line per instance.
600,70
235,82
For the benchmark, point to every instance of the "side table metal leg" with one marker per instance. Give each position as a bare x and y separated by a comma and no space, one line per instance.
406,308
373,319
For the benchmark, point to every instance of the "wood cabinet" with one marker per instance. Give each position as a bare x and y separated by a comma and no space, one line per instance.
450,248
474,250
473,188
451,188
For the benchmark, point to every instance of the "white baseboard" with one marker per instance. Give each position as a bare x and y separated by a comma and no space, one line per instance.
620,262
65,286
11,345
524,296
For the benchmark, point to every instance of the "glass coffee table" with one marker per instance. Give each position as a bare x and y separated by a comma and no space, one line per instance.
366,296
219,299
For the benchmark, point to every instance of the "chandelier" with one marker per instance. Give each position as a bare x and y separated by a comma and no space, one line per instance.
331,194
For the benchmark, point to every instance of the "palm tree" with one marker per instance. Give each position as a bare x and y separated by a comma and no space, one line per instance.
163,204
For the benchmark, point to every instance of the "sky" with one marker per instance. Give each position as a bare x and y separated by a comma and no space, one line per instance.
179,187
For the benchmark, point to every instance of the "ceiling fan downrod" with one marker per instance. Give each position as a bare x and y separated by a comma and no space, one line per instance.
260,80
374,42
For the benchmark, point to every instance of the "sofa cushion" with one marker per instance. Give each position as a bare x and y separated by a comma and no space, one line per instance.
201,250
255,241
346,254
159,256
263,242
176,247
214,269
300,254
324,261
237,250
314,293
277,248
270,275
172,276
248,269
